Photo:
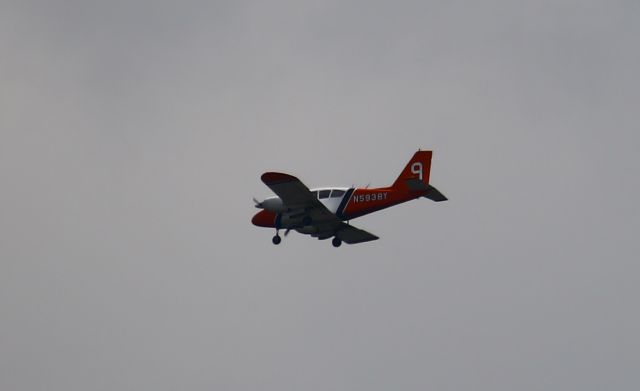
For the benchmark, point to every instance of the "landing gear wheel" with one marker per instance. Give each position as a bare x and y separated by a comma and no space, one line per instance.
306,220
276,239
336,242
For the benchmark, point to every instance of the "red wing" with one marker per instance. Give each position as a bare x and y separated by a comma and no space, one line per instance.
293,193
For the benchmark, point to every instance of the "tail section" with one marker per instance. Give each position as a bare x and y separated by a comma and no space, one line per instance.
416,172
414,179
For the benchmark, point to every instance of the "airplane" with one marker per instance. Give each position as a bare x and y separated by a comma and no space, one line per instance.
325,212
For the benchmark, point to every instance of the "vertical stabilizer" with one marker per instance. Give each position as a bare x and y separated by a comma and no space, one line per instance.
417,170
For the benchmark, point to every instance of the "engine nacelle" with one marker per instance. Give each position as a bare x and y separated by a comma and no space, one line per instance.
308,229
293,220
272,204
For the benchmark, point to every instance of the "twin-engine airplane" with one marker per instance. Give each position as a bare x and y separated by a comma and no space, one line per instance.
322,212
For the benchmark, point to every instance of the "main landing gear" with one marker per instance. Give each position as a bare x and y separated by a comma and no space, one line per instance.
336,242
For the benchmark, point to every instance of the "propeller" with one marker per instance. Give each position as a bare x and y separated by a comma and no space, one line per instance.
258,203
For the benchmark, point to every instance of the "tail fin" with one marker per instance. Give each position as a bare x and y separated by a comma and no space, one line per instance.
416,171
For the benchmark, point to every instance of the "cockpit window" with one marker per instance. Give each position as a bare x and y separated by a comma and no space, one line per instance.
324,194
337,193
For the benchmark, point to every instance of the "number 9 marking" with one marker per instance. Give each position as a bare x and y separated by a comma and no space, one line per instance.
416,168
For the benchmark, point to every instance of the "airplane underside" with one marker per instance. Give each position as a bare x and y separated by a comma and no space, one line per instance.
304,224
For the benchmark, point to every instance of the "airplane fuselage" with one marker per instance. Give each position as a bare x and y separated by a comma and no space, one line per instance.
344,203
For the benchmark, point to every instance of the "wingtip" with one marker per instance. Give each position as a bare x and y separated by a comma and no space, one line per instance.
276,177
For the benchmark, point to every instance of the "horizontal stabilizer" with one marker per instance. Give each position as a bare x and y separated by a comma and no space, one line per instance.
434,195
415,184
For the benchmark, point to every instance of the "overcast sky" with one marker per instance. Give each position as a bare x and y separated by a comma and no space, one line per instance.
133,135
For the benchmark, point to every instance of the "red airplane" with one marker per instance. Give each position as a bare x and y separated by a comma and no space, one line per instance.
322,212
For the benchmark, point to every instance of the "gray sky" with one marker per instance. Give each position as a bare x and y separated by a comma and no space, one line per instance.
133,135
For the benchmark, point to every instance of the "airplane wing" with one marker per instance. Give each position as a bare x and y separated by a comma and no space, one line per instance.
352,235
293,193
297,197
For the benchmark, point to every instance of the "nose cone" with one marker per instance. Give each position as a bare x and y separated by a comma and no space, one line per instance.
264,218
